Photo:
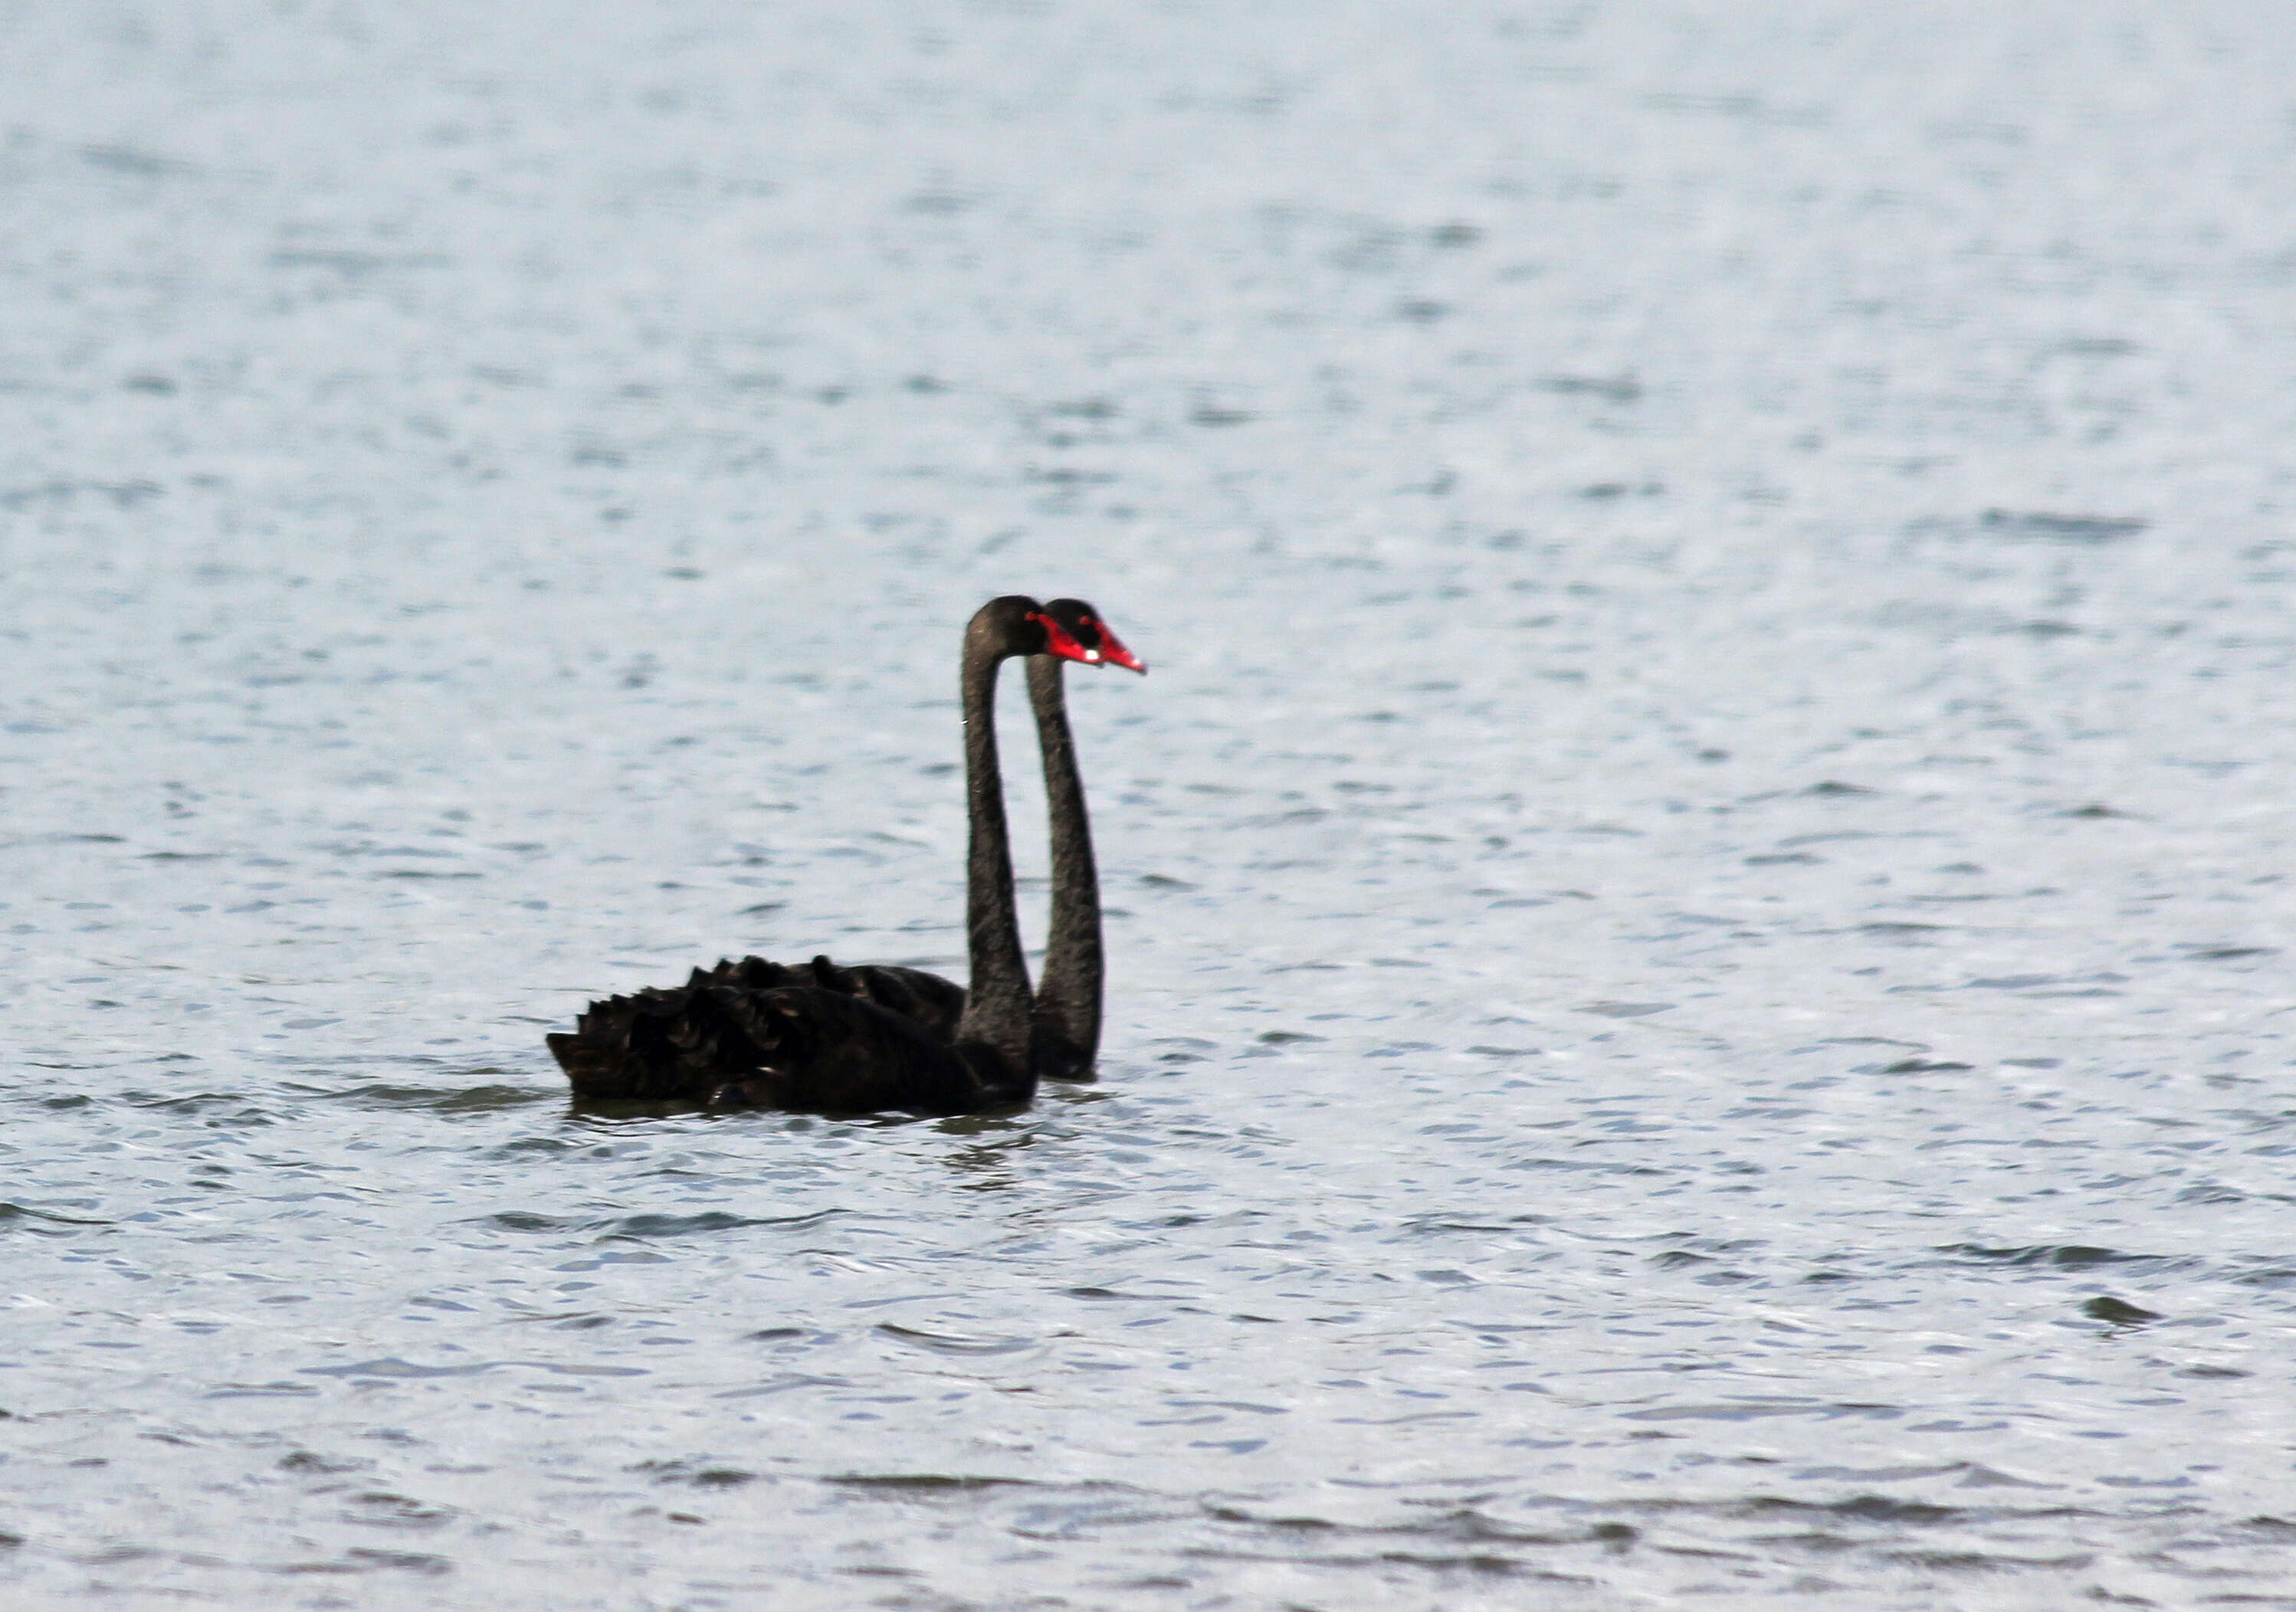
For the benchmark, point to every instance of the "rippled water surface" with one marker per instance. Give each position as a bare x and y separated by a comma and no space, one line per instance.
1701,909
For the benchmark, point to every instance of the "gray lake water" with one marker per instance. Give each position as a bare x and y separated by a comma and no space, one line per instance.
1701,908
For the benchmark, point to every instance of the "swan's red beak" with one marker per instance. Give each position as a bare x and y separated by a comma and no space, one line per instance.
1112,651
1058,641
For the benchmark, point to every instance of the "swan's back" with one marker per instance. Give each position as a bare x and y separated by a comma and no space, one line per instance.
935,1003
681,1040
762,1034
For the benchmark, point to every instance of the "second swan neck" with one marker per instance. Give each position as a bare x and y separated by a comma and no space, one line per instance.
1068,1000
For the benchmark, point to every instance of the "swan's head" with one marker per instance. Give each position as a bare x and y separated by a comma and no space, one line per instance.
1094,644
1017,624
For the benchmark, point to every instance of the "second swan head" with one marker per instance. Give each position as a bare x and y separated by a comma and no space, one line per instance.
1094,644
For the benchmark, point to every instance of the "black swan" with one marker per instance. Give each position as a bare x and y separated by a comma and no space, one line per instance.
870,1037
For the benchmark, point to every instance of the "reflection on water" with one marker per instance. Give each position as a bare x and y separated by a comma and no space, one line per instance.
1698,905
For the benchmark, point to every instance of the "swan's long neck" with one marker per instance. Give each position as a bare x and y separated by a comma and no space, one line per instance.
997,996
1067,997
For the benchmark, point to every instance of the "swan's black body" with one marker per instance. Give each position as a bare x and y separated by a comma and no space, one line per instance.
934,1002
734,1035
875,1037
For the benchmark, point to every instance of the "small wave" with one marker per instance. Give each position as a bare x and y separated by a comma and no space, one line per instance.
700,1476
2064,1257
12,1212
391,1366
926,1482
464,1100
953,1343
2062,529
708,1220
